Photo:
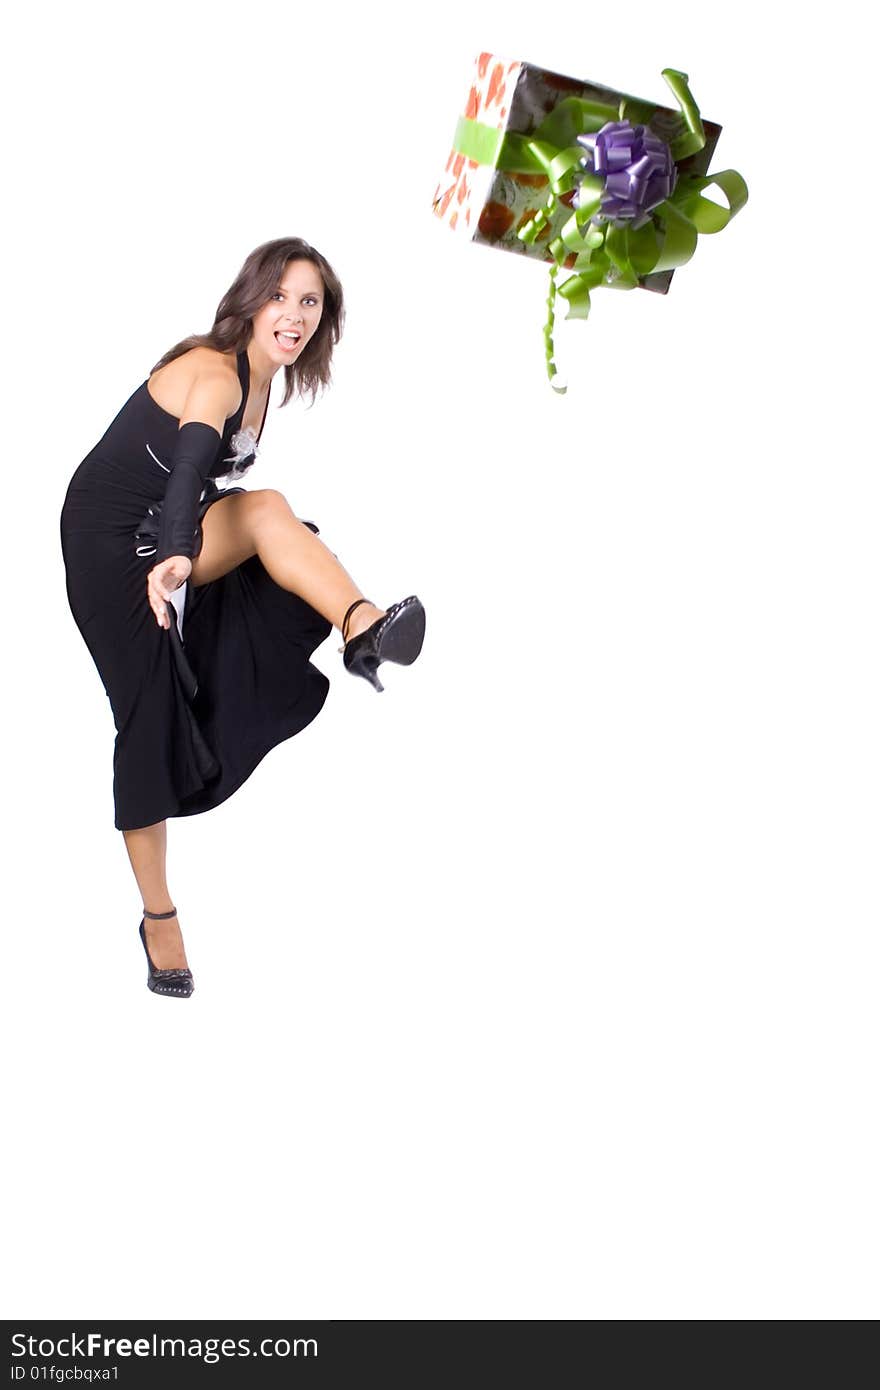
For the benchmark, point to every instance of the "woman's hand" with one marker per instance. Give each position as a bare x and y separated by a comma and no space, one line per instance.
162,580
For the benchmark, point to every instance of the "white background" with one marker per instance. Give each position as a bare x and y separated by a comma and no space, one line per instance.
542,985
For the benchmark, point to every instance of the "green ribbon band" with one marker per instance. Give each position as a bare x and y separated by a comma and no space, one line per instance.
477,141
486,145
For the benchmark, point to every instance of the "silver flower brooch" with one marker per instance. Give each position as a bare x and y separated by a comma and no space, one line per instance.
244,446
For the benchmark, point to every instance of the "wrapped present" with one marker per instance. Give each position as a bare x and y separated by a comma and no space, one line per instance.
588,179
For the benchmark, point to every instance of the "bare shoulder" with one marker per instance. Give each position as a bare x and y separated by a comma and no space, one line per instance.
200,380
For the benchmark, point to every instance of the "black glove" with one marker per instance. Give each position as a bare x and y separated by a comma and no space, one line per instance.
196,450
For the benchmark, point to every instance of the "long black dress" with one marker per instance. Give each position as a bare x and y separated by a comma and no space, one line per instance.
193,717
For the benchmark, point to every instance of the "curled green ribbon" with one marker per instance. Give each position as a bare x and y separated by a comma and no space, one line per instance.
607,253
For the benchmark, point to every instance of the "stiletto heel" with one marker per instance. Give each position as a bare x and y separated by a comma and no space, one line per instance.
397,636
173,982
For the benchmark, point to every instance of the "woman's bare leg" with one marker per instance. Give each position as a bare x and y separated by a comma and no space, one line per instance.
262,523
146,850
233,529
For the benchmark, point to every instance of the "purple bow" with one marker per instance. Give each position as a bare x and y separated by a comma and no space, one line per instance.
638,169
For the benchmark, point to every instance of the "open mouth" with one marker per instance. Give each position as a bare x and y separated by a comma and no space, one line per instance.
289,341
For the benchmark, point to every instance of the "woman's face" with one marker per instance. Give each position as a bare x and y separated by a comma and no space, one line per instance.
291,315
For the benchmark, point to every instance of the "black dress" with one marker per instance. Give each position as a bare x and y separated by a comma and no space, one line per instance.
193,714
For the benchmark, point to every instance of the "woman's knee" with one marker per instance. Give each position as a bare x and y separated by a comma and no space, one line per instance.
266,504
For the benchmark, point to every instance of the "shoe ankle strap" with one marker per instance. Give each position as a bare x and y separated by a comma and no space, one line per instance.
348,613
160,916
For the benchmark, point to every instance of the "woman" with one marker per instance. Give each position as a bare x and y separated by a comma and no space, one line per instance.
143,515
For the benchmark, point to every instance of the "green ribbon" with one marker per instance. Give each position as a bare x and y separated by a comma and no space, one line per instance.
607,254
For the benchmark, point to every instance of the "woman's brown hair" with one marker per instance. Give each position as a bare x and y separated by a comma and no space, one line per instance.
259,278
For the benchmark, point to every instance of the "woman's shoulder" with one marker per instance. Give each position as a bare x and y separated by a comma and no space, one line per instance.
172,384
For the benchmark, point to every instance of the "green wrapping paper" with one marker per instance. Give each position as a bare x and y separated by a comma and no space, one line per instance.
536,157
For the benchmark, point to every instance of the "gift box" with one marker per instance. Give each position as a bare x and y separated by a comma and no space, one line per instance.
589,179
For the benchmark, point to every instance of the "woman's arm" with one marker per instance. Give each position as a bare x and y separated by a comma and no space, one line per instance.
212,397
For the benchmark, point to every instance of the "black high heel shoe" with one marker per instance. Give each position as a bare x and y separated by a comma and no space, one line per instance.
176,982
397,636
